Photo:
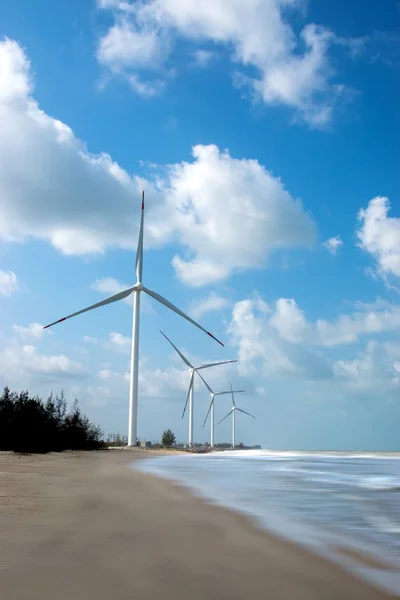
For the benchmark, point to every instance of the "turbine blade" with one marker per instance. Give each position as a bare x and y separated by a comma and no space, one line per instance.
139,253
108,300
223,362
185,360
233,397
226,416
188,394
229,392
205,383
246,413
178,311
209,408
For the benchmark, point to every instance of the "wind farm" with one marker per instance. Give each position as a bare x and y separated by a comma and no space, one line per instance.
199,300
136,290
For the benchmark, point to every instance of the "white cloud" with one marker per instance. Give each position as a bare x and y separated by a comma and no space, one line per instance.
120,343
8,282
286,69
289,320
333,244
228,213
374,319
231,214
24,364
111,286
116,342
119,339
154,383
280,342
379,235
210,303
260,349
51,187
123,46
203,58
33,330
373,367
146,89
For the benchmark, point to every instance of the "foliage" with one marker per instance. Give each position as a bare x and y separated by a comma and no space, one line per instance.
168,438
27,424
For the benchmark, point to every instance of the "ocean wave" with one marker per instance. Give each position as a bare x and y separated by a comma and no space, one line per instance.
371,482
266,453
383,523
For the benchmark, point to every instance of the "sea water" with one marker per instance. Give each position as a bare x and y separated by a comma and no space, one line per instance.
326,501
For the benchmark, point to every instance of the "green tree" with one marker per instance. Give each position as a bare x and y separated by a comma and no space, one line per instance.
27,424
168,438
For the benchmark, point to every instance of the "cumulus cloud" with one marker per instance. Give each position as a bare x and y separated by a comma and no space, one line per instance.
286,68
260,349
116,342
210,303
34,330
154,383
379,235
8,282
110,286
279,341
290,322
51,187
374,367
26,364
228,213
231,213
333,244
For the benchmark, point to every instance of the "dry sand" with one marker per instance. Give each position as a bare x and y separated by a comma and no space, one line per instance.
81,526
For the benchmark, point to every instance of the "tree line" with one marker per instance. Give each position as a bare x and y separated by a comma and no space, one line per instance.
29,424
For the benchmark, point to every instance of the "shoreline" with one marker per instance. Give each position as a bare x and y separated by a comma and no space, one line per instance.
352,554
85,525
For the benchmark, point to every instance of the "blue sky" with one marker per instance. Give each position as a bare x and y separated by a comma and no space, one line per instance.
259,131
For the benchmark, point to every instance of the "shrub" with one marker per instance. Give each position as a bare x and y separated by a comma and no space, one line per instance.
168,438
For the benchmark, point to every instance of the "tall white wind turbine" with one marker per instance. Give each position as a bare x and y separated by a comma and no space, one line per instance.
211,406
136,290
192,371
232,412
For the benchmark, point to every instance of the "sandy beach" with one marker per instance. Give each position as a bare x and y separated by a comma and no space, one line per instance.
84,526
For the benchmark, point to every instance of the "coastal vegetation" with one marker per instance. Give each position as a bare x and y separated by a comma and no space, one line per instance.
29,424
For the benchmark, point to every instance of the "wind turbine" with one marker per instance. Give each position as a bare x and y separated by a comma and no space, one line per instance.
233,411
211,406
136,289
192,371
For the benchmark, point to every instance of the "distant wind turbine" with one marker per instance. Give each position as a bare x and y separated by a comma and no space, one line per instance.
192,371
211,406
232,412
136,289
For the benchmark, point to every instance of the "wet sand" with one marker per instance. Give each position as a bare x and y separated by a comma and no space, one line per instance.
83,526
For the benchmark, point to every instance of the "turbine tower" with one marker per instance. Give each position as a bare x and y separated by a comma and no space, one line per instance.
211,406
192,371
136,290
232,412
